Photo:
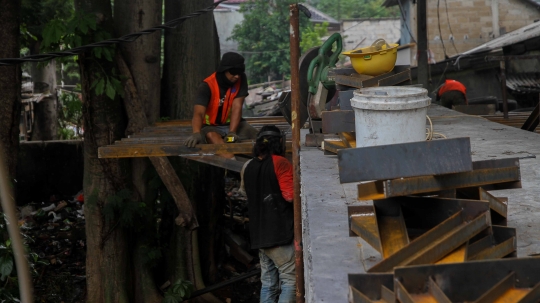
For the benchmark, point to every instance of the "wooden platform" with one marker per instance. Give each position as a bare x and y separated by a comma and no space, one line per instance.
167,139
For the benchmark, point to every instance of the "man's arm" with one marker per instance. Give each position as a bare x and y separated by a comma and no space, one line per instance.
236,113
198,118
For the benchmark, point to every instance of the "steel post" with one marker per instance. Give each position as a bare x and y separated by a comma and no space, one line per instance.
295,99
503,88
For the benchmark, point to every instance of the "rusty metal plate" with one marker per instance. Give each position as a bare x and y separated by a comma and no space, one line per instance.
506,177
338,121
507,280
412,159
371,288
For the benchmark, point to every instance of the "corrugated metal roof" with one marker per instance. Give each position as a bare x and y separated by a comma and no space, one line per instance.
519,35
317,15
523,82
389,3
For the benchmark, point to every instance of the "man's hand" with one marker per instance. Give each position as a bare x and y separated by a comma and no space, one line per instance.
193,140
232,137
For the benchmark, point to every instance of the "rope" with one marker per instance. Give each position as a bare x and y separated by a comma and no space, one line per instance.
127,38
430,134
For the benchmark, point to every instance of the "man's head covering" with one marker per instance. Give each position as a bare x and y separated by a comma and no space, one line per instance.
231,60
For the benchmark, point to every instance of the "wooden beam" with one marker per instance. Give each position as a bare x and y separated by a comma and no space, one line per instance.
174,149
137,121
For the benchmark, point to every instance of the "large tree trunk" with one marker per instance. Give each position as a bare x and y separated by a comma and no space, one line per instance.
190,56
10,84
143,59
46,111
104,122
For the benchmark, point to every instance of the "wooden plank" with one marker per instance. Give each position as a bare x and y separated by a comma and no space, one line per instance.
164,150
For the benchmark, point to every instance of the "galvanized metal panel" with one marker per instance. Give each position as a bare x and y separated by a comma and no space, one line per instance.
405,160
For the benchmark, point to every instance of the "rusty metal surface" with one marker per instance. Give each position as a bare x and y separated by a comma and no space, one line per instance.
371,287
500,242
294,44
363,223
507,280
506,177
337,121
391,224
405,160
361,81
450,224
229,164
533,120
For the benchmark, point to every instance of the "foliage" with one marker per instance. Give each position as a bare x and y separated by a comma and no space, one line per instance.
70,116
36,13
81,30
351,9
9,286
311,36
178,292
264,37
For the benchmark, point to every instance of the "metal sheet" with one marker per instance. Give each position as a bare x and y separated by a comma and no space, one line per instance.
370,285
436,243
392,230
405,160
415,185
337,121
498,290
229,164
363,223
361,81
468,282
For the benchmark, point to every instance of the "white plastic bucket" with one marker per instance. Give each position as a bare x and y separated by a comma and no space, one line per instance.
390,115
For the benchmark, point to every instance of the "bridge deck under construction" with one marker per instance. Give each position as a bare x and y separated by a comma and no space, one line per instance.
331,254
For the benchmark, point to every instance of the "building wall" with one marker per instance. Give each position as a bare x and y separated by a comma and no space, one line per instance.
472,23
225,22
358,33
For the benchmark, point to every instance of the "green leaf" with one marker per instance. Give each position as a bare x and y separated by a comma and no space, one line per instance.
83,27
97,52
100,86
110,90
108,54
6,266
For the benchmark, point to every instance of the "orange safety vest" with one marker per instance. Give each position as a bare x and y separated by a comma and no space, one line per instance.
213,105
452,85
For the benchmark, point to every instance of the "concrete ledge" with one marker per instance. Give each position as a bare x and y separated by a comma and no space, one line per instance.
330,254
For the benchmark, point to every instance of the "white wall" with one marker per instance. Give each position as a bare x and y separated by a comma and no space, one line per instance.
369,30
225,22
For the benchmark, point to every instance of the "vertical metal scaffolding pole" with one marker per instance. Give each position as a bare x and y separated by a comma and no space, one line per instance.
503,88
421,33
295,99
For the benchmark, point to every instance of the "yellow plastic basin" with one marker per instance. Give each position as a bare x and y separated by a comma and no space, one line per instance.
373,62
